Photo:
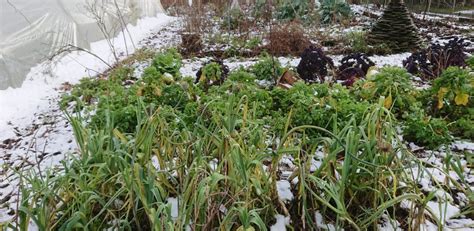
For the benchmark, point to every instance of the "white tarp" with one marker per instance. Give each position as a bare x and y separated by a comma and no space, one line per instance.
33,30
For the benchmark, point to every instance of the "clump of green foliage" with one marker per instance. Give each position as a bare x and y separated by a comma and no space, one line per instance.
267,68
450,98
112,102
332,11
211,74
318,104
168,62
291,9
426,131
452,93
392,83
463,127
241,75
358,41
470,62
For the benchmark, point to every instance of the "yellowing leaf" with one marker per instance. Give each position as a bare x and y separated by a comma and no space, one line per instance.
120,135
461,99
241,228
157,91
202,78
368,85
140,91
440,103
387,103
441,93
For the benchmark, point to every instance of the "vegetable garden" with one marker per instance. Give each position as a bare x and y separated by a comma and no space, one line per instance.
329,143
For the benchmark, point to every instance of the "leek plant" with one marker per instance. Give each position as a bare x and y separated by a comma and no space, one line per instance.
222,170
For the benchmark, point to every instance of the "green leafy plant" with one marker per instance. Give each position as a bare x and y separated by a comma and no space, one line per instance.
211,73
334,11
392,83
241,75
267,68
426,131
168,62
463,127
316,104
452,93
470,62
291,9
358,41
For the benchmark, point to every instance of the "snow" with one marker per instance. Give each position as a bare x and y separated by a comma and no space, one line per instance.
20,104
465,12
390,60
30,115
173,202
281,223
284,190
463,146
443,210
322,224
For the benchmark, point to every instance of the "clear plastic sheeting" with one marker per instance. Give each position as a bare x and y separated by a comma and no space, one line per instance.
32,31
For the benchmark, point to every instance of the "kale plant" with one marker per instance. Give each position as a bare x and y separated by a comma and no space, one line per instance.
314,65
267,68
212,73
452,93
426,131
168,62
353,67
392,83
431,62
291,9
334,11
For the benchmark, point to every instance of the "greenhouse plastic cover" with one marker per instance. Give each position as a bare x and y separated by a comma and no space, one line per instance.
32,31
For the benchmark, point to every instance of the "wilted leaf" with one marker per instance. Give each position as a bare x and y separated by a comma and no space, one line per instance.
120,135
140,91
157,91
388,101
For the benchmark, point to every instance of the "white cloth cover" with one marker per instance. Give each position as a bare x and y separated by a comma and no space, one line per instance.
32,30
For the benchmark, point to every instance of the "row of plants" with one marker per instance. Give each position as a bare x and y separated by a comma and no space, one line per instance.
214,142
327,11
442,110
245,35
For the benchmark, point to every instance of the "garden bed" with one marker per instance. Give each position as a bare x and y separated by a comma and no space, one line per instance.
159,141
